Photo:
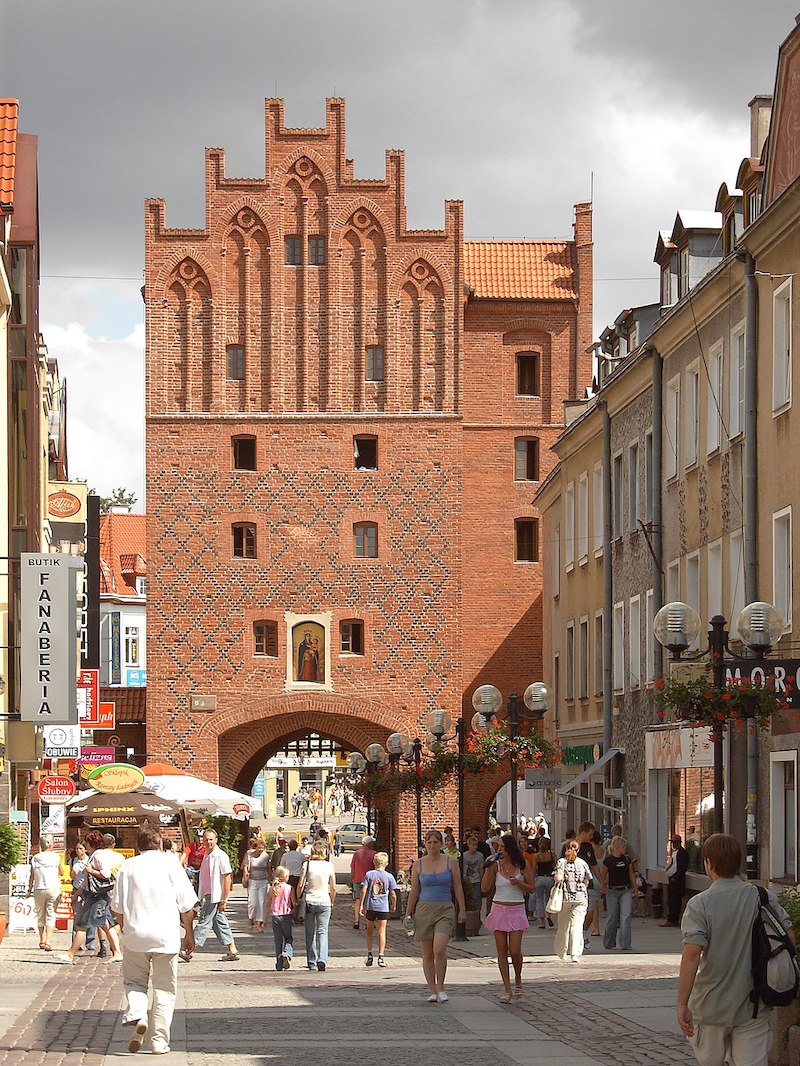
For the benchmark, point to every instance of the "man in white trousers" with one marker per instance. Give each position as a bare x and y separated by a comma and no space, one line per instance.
152,898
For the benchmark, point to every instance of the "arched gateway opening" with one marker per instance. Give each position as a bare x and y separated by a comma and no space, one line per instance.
245,738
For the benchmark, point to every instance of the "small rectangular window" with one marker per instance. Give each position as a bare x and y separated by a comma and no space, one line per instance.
649,476
244,453
244,541
618,635
569,665
526,459
782,563
265,639
583,518
691,426
316,251
782,346
528,374
374,362
351,638
633,487
617,500
294,251
634,643
736,383
714,398
583,660
673,426
598,509
527,535
365,452
235,362
366,540
569,525
131,645
599,673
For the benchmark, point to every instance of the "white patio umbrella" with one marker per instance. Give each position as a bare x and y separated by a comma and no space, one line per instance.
194,793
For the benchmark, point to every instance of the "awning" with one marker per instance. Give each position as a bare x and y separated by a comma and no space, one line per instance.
591,770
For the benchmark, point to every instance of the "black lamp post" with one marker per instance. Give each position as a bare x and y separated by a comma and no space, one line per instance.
487,700
759,626
413,753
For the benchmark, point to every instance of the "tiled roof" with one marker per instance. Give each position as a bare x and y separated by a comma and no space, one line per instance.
122,552
131,703
9,113
520,270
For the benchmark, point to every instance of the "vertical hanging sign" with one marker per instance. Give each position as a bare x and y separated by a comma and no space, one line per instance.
49,635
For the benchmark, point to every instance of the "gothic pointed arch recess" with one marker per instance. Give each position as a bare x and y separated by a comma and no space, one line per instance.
188,305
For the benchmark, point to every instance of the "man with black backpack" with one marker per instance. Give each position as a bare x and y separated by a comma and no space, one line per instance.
717,1008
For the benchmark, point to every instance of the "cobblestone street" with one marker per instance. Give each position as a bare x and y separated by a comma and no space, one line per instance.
611,1009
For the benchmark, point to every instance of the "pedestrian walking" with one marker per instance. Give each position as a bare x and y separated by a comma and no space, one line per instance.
545,868
216,881
294,861
77,870
435,883
621,891
318,885
508,918
281,901
255,878
378,898
574,875
45,883
677,865
150,894
96,913
361,863
715,1010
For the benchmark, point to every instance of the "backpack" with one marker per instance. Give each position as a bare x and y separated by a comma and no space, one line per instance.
776,974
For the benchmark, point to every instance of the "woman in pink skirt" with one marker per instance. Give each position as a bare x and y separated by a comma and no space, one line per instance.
507,873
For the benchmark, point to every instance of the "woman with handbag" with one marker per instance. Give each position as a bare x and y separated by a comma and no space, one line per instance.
508,918
572,875
96,911
545,867
256,871
317,890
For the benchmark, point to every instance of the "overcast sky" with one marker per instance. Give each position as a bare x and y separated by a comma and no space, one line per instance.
518,107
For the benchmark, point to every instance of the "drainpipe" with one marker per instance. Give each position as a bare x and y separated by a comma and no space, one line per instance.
750,476
608,585
657,534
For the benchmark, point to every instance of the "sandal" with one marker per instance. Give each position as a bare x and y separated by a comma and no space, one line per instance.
518,992
45,947
506,998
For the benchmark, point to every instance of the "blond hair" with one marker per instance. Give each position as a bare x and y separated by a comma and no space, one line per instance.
381,860
281,876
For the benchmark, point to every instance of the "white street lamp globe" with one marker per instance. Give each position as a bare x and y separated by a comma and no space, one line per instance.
357,761
480,724
537,697
760,626
439,723
396,743
384,760
374,753
487,700
676,626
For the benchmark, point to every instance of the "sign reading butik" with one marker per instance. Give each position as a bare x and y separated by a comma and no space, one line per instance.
48,637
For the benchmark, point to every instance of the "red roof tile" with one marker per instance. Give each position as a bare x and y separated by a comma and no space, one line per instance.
131,703
9,114
520,270
122,552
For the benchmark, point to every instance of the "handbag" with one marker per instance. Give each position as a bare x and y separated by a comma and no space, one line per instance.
98,886
555,900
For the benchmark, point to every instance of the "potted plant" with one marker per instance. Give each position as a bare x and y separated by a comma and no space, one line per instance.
696,701
10,856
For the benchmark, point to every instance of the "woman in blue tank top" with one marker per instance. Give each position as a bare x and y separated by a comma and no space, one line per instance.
435,883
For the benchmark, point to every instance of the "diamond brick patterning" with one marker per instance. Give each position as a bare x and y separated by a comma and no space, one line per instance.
304,314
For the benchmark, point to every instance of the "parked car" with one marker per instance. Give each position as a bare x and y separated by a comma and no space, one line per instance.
351,835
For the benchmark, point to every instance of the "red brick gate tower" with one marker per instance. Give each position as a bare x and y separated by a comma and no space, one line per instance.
334,470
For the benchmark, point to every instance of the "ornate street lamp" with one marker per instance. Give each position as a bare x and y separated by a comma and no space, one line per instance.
487,701
759,626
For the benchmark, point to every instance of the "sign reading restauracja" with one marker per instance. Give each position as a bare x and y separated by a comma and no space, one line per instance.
49,637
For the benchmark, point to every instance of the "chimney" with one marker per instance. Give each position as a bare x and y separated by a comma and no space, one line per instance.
760,113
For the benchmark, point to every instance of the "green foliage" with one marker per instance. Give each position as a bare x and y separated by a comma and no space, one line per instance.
696,700
10,848
119,498
527,748
382,787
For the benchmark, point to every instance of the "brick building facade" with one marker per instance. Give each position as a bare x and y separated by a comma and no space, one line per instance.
347,420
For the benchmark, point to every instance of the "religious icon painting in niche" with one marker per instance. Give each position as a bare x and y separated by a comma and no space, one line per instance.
308,644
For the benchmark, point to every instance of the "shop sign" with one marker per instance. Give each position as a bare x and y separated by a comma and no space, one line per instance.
679,748
88,696
116,777
581,754
97,756
48,637
62,742
542,778
55,789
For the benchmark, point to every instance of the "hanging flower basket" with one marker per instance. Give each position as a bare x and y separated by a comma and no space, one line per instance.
697,702
528,748
383,787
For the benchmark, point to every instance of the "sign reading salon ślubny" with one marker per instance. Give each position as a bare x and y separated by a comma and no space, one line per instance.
49,635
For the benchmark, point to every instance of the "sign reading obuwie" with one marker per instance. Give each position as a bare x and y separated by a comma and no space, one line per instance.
49,638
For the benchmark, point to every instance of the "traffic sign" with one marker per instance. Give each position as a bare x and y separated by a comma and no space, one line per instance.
55,789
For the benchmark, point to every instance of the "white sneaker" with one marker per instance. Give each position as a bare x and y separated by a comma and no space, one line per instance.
433,998
159,1048
442,997
64,960
575,958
